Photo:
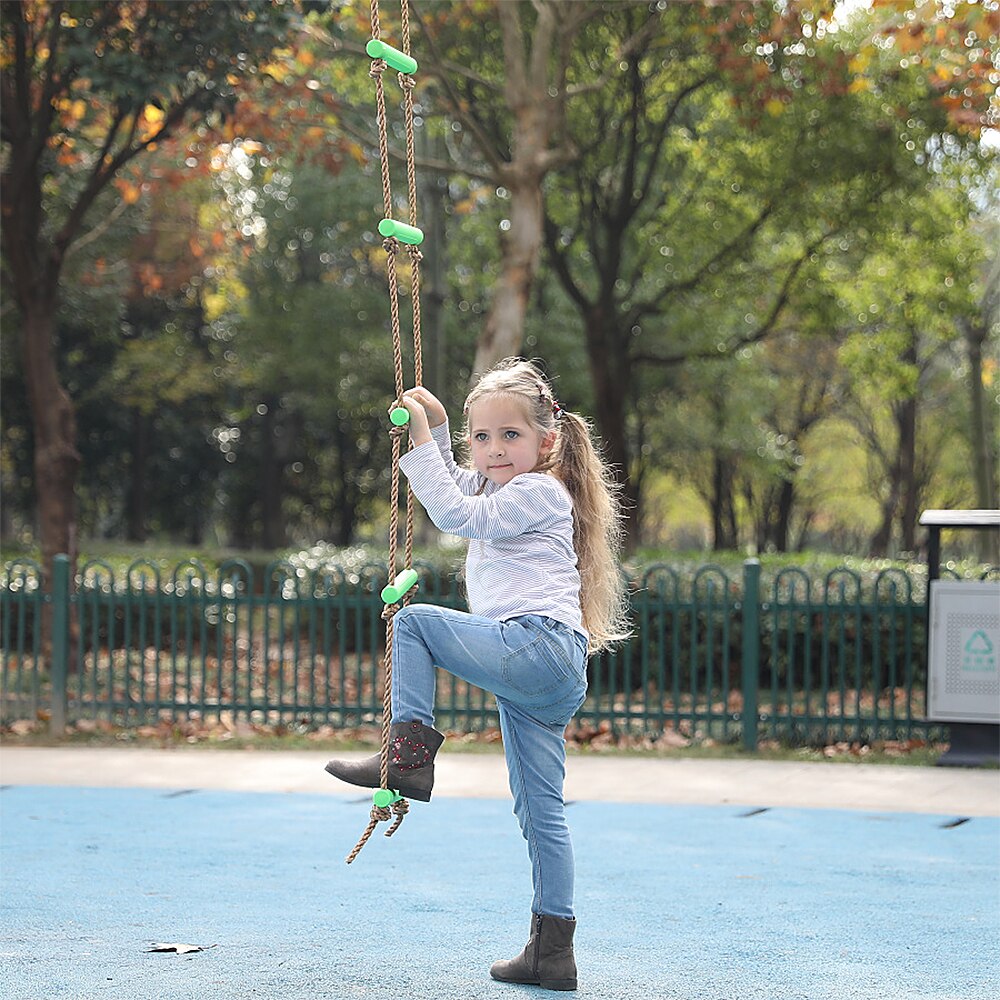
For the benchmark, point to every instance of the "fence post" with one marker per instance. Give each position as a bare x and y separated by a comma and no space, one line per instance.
751,651
60,643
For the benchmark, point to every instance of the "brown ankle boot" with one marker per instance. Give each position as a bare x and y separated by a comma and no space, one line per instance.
547,959
412,748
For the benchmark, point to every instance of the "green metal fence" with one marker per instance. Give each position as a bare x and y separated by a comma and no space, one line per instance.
714,655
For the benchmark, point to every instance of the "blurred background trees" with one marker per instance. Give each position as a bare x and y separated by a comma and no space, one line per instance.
757,243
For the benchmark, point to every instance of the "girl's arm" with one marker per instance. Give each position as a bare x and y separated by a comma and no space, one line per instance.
429,422
525,504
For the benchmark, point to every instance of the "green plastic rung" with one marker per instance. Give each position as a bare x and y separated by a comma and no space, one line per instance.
400,587
383,797
402,232
396,59
399,416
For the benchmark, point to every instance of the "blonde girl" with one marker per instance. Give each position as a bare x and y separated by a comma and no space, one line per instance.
544,590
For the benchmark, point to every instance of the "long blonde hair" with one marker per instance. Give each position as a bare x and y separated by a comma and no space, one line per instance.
576,462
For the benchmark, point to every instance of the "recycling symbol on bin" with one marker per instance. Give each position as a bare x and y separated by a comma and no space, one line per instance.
979,653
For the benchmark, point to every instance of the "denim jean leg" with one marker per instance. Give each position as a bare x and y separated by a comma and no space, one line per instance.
490,654
425,637
413,678
536,765
537,670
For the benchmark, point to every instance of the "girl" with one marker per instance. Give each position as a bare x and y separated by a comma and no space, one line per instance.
544,590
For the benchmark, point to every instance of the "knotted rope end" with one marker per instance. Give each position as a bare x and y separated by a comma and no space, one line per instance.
380,814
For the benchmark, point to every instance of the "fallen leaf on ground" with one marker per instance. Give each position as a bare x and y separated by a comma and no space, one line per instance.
180,949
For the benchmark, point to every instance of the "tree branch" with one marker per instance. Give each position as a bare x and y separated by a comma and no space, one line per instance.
97,231
763,329
636,43
344,46
668,120
105,170
560,264
436,69
653,305
425,162
541,46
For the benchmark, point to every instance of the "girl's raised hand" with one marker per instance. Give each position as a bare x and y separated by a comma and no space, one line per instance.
420,431
436,413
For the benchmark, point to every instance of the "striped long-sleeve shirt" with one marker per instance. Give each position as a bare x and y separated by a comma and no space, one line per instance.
521,559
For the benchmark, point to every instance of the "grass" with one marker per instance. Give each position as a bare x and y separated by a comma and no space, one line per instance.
181,736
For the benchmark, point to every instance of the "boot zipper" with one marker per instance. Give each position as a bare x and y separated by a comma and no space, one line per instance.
538,943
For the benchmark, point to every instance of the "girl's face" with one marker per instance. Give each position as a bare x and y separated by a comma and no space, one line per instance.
503,442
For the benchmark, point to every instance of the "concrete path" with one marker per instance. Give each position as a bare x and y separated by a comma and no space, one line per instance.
613,778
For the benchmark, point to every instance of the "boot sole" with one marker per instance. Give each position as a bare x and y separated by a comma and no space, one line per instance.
545,984
408,793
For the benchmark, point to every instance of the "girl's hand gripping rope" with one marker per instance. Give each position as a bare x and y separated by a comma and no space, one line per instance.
436,413
420,428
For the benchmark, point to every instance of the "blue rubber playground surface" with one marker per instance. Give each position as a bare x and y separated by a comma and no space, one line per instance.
673,902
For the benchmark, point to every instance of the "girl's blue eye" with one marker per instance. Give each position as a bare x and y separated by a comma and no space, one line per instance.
510,435
481,436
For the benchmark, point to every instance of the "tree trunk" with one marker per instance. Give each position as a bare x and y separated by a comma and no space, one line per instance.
724,527
273,459
982,459
805,524
903,497
983,468
434,285
905,413
981,434
56,459
346,522
534,87
759,517
136,514
909,488
779,524
769,510
240,517
611,380
879,544
520,248
890,507
346,492
54,420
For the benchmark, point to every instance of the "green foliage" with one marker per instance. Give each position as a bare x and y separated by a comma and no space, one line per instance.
720,229
304,324
164,52
107,80
772,270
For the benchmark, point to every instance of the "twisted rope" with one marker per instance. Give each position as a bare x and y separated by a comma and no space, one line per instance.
407,83
399,808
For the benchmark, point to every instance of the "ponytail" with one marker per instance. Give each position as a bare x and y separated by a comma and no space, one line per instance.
598,532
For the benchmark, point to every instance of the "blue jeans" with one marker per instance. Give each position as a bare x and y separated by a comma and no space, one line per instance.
537,668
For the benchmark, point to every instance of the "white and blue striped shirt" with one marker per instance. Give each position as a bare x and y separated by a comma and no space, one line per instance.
521,559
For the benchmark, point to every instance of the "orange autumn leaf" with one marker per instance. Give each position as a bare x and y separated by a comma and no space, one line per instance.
911,40
130,192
